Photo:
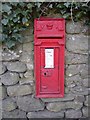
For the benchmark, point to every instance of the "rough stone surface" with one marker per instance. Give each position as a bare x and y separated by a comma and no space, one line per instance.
76,58
58,106
73,27
0,83
85,111
14,114
30,66
72,70
19,90
16,66
80,98
67,97
3,93
26,57
86,30
9,78
29,74
88,82
29,104
8,104
26,81
67,90
87,101
28,39
76,69
10,56
52,15
79,90
0,56
28,47
28,32
84,71
45,114
73,81
21,75
18,49
85,82
77,44
0,52
73,114
2,68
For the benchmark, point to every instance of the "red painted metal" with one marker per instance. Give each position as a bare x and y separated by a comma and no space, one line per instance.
49,33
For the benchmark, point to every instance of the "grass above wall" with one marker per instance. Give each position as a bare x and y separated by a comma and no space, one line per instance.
17,17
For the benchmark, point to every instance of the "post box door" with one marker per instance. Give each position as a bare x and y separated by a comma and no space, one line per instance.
49,70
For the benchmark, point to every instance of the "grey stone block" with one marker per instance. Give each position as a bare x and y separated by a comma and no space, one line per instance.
14,114
16,67
29,104
67,97
28,47
80,98
30,65
27,78
84,71
3,93
28,39
8,104
85,111
0,83
58,106
72,70
45,114
79,90
73,81
73,27
81,69
29,74
10,55
9,78
19,90
85,30
27,57
75,58
2,68
87,101
85,82
67,90
77,44
73,114
24,81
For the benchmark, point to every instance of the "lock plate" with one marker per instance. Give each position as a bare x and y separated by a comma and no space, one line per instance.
46,73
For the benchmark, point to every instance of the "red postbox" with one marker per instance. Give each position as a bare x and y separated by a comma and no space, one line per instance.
49,45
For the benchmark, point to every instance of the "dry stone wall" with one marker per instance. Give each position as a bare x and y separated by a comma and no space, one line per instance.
17,81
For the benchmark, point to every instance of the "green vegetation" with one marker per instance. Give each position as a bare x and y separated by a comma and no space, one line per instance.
17,16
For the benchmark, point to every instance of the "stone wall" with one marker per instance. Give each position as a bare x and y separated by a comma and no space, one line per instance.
17,80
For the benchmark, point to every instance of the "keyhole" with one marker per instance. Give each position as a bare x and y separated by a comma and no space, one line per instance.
45,74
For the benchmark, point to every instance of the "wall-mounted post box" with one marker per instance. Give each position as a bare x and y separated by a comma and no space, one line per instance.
49,44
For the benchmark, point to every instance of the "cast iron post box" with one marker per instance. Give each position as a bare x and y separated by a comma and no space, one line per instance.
49,44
